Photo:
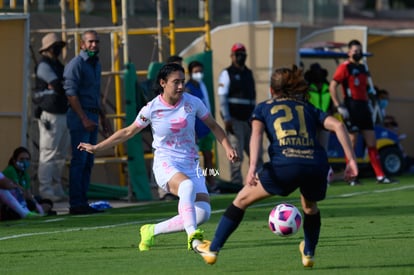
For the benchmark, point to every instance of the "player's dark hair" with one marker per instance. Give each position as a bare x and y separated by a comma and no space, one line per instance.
164,73
194,64
354,42
289,83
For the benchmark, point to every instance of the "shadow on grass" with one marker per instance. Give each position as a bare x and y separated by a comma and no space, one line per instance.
370,267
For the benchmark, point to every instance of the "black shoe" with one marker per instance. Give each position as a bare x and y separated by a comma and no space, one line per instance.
386,180
84,210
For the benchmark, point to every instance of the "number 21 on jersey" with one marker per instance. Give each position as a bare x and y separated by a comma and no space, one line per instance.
288,116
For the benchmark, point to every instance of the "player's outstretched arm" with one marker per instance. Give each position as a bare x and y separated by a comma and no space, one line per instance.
118,137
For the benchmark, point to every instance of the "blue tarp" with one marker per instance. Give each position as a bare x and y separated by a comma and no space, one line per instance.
322,53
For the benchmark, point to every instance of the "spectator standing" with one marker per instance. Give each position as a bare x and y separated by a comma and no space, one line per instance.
319,96
237,96
53,132
82,85
354,108
296,161
205,137
176,168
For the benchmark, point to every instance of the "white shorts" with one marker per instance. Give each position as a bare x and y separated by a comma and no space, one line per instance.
165,168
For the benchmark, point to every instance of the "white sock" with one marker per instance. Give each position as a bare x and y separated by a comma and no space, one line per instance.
176,223
186,209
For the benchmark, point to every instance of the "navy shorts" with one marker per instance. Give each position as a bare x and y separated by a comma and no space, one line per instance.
312,180
360,116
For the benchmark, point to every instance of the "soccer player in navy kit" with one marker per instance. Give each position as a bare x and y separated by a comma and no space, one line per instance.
297,160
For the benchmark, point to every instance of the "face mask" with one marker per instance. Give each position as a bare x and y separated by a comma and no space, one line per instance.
92,53
241,59
357,56
383,103
57,51
197,76
23,165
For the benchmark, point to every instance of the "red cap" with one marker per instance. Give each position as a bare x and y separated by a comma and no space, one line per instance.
238,47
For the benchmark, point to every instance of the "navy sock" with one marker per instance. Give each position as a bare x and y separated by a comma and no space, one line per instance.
227,225
311,229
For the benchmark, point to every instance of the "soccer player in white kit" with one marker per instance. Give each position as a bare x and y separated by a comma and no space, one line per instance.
176,168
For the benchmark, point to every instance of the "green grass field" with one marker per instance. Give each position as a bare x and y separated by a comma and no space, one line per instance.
366,229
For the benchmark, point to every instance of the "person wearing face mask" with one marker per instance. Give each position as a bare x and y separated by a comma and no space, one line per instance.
354,107
319,96
237,96
18,172
10,206
50,97
383,100
205,137
82,84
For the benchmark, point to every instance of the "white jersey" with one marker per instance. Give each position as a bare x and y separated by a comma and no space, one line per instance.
173,126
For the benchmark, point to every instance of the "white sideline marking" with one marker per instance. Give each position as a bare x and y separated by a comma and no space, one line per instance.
213,212
55,220
375,191
71,230
64,231
330,197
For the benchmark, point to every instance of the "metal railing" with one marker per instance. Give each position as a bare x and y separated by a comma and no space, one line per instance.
308,12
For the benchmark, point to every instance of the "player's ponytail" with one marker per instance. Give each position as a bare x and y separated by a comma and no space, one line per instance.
289,83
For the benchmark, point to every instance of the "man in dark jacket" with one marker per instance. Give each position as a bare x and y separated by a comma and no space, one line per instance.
237,96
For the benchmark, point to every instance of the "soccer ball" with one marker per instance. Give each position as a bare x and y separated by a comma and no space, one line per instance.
285,220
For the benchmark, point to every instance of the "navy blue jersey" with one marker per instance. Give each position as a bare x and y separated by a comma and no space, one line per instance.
291,127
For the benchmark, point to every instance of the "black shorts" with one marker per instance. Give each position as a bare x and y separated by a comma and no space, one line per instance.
360,116
283,180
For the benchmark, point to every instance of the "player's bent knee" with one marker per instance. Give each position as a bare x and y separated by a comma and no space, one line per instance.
203,211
